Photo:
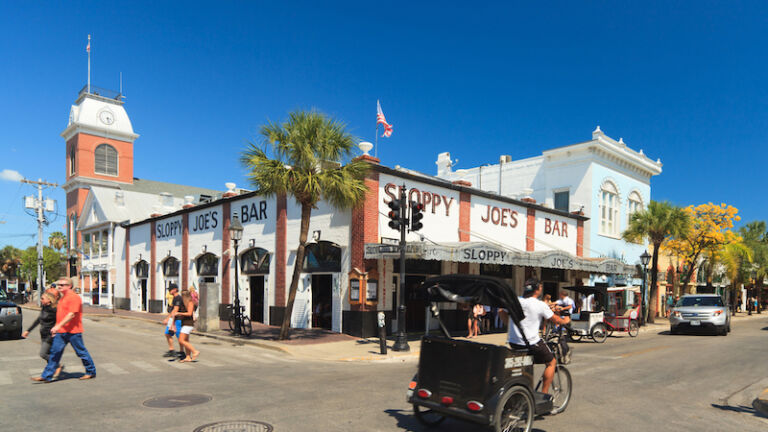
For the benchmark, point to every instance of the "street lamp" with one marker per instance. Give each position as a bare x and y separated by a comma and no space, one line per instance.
72,262
644,259
236,234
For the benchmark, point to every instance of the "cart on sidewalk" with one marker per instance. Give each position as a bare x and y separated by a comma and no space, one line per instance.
481,383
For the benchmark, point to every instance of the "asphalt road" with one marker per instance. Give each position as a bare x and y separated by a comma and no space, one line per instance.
654,382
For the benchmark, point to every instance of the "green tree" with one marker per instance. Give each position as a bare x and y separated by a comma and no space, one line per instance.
53,264
10,261
306,158
755,237
656,224
57,240
737,259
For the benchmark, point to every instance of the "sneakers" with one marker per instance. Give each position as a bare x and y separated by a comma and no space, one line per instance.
182,355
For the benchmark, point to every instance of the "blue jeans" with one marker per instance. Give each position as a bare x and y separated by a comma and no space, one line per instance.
60,342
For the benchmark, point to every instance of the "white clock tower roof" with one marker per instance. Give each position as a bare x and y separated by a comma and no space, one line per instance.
100,113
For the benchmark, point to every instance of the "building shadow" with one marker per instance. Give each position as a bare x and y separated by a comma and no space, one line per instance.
742,409
407,421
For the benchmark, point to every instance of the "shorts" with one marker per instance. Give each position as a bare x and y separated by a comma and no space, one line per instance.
540,351
187,329
177,325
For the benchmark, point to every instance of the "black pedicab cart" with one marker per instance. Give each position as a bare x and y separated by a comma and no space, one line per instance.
481,383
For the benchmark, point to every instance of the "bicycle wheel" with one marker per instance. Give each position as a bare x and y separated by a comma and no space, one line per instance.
561,390
246,327
515,411
599,333
427,417
575,337
232,322
634,329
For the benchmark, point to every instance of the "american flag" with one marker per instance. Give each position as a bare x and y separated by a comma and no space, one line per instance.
380,119
88,48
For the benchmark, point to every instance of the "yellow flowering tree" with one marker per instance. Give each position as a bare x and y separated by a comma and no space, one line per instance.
710,230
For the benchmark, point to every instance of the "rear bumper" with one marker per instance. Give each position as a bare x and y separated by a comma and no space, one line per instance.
10,323
484,417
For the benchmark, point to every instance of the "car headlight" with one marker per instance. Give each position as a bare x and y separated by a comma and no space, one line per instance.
676,314
8,311
717,313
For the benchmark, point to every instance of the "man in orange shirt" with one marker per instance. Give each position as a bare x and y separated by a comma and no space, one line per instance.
68,330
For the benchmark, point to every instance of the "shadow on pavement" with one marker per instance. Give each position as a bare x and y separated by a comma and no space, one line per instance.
740,409
407,421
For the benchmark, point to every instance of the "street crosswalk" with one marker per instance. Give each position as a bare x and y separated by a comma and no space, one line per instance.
15,370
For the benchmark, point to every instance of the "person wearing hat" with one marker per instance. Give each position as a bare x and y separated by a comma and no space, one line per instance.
173,326
535,311
68,330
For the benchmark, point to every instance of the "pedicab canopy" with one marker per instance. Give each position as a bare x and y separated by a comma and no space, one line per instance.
589,290
475,289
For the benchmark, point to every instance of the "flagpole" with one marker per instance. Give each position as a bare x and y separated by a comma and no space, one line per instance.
89,63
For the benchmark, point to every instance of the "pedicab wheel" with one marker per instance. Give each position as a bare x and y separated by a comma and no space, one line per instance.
515,411
427,417
610,331
599,333
574,336
634,329
561,390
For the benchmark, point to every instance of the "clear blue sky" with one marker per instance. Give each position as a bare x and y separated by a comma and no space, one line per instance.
684,81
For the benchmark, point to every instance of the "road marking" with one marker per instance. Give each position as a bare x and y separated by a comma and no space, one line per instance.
144,366
647,350
5,378
177,365
113,368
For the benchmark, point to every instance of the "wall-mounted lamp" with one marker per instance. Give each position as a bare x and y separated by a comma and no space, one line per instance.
252,242
205,248
316,235
139,257
169,252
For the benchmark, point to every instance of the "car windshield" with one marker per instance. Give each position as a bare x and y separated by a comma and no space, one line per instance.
700,301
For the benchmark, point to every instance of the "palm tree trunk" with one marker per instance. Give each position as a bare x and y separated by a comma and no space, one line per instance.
306,211
654,280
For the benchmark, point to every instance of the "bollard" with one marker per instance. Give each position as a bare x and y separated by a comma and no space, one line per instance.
382,334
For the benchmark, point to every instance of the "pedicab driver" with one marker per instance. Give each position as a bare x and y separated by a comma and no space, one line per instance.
535,311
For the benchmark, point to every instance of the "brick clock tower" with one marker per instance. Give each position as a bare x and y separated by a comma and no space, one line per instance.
99,144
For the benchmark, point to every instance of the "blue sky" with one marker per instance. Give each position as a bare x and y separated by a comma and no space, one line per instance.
684,81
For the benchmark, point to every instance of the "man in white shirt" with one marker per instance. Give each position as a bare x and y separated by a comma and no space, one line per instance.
535,311
566,303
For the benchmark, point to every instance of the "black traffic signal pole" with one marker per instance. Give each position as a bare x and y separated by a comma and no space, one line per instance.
401,340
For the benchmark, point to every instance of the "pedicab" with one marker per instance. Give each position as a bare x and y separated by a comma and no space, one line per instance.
589,322
626,322
481,383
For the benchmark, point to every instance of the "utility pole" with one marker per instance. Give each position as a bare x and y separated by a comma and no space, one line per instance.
40,206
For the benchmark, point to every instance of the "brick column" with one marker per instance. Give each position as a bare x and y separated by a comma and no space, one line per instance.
128,265
226,243
465,206
280,250
365,221
185,251
152,262
530,232
580,238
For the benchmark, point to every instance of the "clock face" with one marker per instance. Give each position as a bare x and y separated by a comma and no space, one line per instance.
106,117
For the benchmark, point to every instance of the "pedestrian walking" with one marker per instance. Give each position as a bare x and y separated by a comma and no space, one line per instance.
186,311
173,325
46,320
473,323
68,330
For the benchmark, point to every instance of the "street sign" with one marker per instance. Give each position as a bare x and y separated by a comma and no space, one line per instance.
389,249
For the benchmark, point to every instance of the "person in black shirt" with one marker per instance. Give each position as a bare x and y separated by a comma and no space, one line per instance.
46,320
173,325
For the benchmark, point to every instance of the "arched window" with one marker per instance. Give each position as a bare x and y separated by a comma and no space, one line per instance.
609,209
171,267
322,257
634,204
142,269
208,265
255,261
106,160
72,154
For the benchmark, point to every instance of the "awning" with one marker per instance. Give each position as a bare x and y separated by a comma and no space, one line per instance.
486,253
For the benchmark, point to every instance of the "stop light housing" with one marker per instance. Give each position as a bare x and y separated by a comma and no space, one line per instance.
417,214
394,215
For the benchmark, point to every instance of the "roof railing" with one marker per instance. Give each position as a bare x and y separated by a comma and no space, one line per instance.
102,92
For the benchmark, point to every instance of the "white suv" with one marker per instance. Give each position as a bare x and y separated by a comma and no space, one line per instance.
700,311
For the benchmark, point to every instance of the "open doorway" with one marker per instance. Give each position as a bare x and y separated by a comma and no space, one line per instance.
257,298
322,312
143,294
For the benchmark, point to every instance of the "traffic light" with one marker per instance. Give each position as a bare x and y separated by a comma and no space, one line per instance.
394,215
416,215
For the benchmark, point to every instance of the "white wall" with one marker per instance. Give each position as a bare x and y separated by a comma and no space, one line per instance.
168,236
498,221
140,244
205,230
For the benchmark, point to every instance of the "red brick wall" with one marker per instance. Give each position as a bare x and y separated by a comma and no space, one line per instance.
530,232
85,158
580,238
185,251
226,243
465,204
365,224
280,250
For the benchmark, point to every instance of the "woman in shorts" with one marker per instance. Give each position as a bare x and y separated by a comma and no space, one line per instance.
186,311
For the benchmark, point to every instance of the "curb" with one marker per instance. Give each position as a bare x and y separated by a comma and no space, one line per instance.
761,403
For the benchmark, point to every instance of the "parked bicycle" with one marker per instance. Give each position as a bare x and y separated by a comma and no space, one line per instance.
239,322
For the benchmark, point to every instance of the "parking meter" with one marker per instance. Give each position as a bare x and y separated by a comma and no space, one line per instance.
382,333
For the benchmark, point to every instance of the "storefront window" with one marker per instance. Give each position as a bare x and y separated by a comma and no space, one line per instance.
322,257
208,265
142,269
255,261
171,267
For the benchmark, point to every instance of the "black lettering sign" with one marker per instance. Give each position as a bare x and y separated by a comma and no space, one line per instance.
253,213
168,229
205,221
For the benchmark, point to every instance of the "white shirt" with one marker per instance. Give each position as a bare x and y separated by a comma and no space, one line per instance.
535,311
567,301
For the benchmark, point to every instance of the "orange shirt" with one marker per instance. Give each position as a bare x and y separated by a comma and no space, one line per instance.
70,302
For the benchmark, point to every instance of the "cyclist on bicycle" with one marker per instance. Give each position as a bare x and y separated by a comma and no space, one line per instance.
535,312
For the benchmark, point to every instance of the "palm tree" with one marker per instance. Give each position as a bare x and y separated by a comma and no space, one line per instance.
657,223
755,237
307,154
57,240
737,259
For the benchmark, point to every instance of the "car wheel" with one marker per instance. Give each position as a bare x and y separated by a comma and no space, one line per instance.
673,331
723,331
729,326
17,334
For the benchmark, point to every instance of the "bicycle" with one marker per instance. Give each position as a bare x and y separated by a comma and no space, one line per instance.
561,383
238,319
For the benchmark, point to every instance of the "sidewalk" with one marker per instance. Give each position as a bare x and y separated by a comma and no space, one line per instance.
761,403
